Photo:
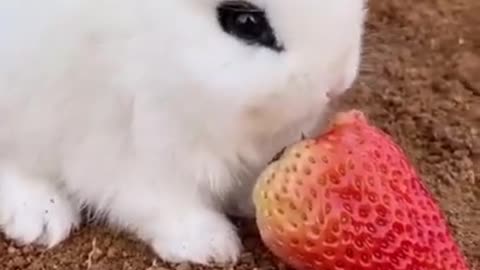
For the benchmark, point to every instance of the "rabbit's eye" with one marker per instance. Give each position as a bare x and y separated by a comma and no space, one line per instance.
248,23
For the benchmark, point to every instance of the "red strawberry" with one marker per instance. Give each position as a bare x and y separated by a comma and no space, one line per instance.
350,199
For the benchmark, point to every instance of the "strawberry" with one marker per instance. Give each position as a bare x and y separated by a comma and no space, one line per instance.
350,199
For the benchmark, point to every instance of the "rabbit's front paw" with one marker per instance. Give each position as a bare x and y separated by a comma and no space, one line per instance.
201,237
32,211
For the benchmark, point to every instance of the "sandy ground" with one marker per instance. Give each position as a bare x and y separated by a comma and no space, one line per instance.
420,81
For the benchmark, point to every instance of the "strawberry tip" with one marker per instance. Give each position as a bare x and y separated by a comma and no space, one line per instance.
349,117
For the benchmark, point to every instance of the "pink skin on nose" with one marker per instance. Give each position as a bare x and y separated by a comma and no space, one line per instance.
332,94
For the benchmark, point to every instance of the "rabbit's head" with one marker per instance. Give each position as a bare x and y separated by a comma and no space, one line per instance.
255,64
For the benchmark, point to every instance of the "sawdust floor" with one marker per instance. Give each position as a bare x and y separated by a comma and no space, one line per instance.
420,81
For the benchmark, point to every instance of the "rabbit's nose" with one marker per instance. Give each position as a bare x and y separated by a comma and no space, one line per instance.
333,93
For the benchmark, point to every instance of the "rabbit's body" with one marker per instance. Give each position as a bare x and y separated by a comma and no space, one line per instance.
147,112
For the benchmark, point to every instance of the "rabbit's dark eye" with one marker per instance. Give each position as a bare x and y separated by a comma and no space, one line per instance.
248,23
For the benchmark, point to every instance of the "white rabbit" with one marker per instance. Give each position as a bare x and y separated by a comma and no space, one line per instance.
158,114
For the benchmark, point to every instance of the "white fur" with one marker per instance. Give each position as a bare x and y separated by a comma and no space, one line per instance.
148,113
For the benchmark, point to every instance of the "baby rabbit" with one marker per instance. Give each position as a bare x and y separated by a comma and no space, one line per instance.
157,115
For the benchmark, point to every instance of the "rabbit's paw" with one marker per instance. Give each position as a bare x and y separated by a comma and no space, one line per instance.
202,237
32,211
